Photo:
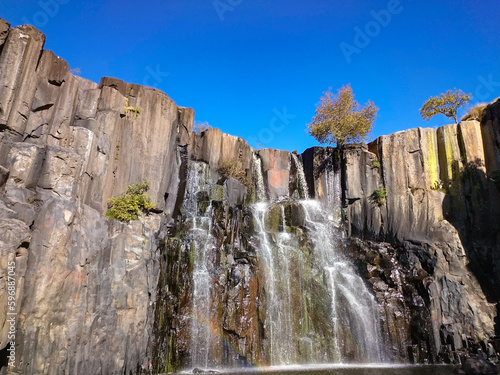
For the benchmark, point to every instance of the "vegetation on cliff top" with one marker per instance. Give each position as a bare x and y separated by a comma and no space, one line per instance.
445,104
200,127
340,119
475,113
131,204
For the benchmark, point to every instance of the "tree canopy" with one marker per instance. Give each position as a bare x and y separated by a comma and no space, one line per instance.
340,119
445,104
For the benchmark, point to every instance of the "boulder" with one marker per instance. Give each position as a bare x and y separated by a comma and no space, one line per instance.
477,366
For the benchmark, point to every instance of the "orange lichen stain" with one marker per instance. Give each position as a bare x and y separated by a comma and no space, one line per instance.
278,178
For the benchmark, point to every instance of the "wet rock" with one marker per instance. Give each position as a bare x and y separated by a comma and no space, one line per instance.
197,370
320,163
234,192
477,366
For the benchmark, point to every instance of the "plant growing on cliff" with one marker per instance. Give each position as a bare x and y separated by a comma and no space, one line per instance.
131,109
439,185
130,205
445,104
200,127
475,113
379,196
233,168
340,119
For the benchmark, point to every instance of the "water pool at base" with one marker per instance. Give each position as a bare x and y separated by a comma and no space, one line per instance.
336,369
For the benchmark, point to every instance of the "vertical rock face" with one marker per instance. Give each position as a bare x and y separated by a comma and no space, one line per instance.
186,284
440,215
86,285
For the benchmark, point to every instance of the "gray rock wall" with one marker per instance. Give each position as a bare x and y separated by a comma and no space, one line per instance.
86,285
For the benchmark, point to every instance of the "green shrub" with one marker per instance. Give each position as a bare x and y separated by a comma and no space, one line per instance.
379,195
376,164
130,205
439,186
233,168
475,113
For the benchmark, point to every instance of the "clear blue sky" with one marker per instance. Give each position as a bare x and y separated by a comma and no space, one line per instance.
257,68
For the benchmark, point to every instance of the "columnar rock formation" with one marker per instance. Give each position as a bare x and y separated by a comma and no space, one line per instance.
94,295
441,215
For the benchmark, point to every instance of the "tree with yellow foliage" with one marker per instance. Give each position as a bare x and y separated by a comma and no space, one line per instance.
445,104
340,119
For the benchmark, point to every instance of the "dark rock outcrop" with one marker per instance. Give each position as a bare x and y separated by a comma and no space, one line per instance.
477,366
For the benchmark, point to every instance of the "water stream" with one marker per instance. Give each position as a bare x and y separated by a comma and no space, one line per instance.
202,339
303,190
260,189
317,309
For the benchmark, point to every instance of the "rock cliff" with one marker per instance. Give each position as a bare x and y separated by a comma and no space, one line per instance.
94,295
441,216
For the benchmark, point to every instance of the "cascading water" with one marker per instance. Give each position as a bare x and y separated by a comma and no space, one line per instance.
202,339
354,311
315,308
303,190
318,308
278,253
260,189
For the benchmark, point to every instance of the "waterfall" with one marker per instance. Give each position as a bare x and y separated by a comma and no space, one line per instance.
277,256
354,311
200,242
303,190
318,308
260,189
